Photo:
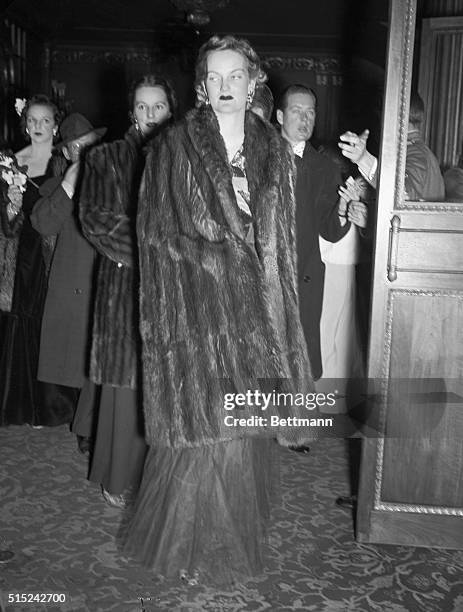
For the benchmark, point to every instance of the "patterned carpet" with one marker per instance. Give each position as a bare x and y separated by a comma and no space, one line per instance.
63,535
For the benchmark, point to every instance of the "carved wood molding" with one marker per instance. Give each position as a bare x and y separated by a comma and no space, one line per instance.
419,509
321,65
96,56
326,65
443,207
407,53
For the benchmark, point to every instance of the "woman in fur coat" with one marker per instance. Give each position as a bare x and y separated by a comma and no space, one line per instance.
219,315
108,201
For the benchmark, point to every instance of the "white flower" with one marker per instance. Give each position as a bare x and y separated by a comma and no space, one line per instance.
20,180
5,160
10,173
7,176
19,105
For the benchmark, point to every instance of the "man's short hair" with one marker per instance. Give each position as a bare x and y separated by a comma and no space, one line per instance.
296,88
416,113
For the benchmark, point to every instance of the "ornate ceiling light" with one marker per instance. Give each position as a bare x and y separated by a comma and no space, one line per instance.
197,11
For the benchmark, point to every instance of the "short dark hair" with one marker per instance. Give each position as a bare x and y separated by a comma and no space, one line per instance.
154,80
295,88
416,113
226,43
39,100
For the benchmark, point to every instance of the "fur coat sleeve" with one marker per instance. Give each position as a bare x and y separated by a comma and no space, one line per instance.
107,202
108,198
217,314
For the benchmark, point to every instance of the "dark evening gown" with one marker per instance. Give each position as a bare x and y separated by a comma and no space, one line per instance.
23,399
202,513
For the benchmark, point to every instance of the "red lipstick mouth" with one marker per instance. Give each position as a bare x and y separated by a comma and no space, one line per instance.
224,97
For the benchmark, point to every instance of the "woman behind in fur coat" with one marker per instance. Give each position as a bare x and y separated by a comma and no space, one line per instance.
108,206
219,313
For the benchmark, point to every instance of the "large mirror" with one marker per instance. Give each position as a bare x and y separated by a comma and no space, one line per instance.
437,71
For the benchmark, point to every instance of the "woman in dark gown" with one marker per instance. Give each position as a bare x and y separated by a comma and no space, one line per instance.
218,314
22,398
108,205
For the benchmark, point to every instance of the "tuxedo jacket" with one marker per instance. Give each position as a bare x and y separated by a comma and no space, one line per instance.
318,179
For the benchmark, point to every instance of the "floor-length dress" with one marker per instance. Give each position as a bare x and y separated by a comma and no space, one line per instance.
120,449
23,399
201,512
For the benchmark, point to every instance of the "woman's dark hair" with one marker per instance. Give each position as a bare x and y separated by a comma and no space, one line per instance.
226,43
154,80
39,100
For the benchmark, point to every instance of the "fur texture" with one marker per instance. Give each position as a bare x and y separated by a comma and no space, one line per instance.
107,204
217,315
8,252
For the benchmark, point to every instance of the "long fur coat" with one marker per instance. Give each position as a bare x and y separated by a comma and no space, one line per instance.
217,314
107,203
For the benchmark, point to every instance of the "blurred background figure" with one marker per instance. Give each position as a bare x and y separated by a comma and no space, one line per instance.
262,103
65,325
453,180
423,178
22,398
342,342
108,207
317,209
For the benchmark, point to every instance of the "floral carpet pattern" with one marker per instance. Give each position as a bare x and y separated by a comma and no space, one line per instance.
63,537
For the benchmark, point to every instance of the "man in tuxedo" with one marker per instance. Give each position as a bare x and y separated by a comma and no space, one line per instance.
317,209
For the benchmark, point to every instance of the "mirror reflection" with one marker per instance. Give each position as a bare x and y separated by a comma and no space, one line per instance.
434,169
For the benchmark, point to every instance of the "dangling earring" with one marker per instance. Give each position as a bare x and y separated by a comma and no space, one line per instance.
134,121
27,131
249,99
207,102
55,131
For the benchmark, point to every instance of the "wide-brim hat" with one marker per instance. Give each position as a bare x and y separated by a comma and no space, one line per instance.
75,126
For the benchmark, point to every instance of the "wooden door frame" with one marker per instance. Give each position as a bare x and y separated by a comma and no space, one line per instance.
380,521
391,175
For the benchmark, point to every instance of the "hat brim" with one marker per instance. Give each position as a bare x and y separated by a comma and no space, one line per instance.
100,132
